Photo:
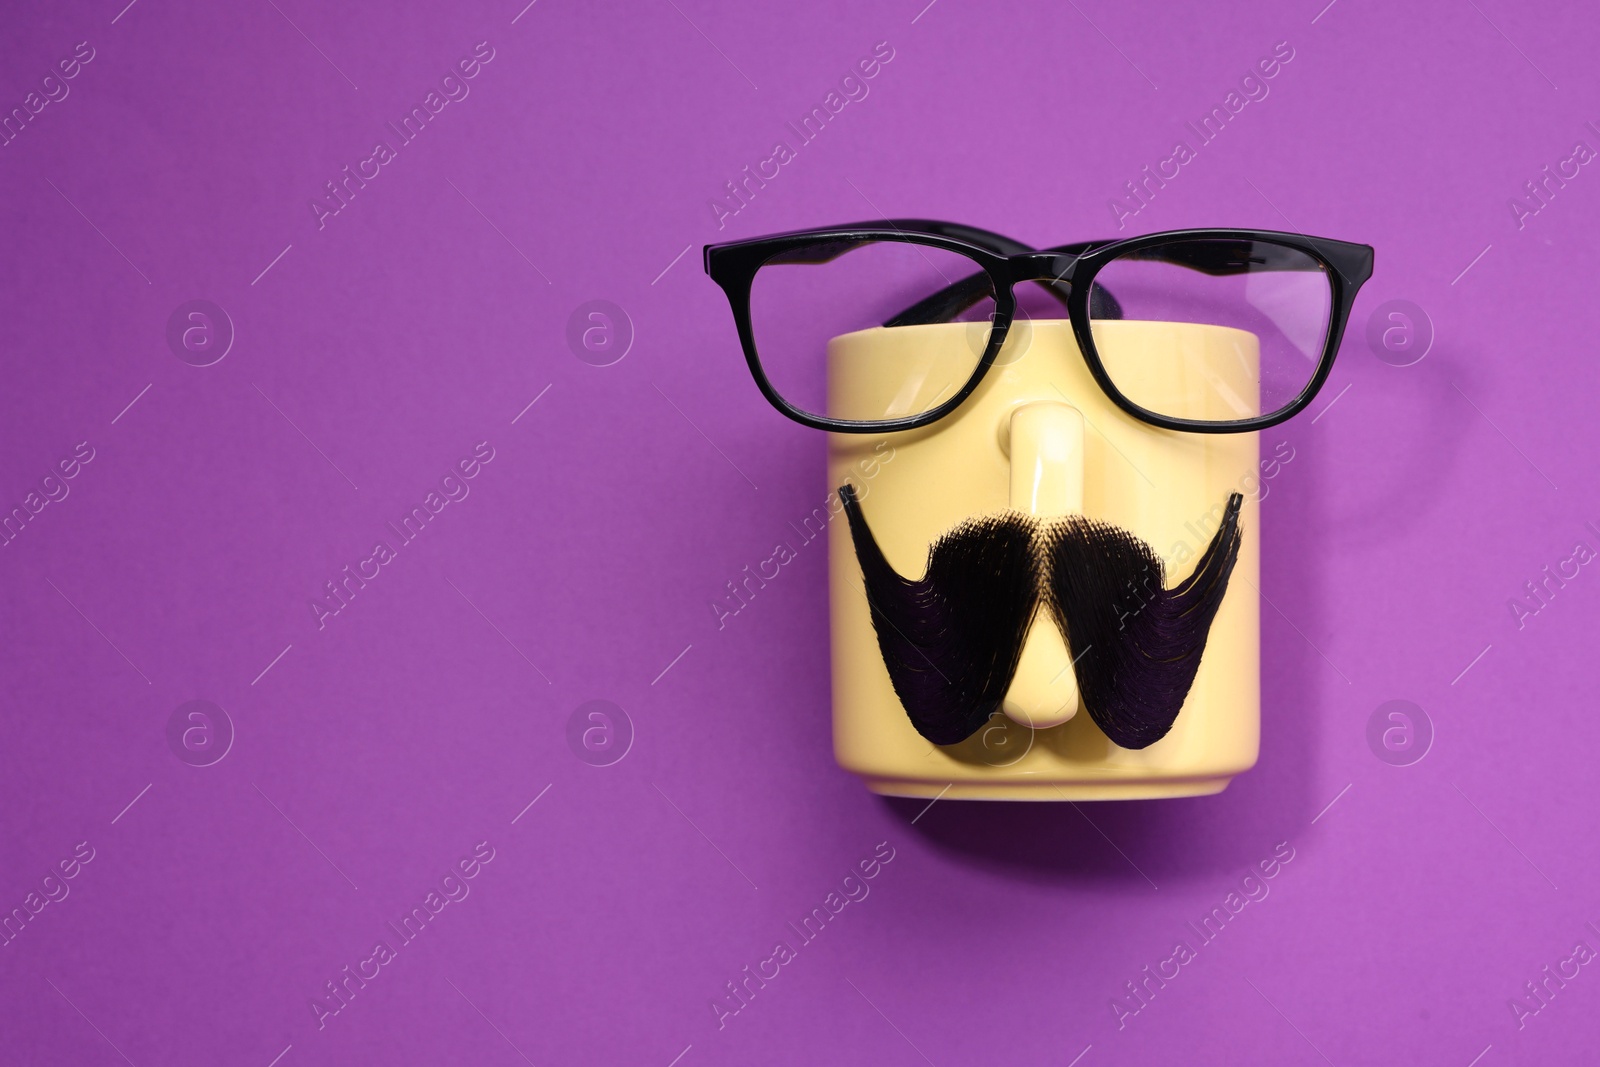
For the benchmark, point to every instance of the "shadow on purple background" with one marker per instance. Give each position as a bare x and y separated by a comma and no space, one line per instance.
230,911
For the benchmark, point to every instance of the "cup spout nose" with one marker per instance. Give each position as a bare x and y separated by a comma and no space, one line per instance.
1046,449
1044,691
1046,446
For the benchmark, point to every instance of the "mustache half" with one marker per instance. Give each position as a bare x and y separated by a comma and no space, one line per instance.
1137,644
951,640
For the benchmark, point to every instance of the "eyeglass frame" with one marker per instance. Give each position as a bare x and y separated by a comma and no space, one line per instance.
733,266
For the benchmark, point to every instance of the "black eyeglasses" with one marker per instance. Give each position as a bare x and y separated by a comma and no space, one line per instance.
1284,299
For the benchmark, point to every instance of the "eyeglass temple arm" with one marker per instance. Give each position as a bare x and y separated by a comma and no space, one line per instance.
972,235
828,251
1223,257
1217,258
952,300
1210,257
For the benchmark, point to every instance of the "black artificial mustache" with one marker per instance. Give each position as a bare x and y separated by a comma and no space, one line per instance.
951,639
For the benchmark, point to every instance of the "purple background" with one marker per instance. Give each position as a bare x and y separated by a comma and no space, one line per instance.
426,315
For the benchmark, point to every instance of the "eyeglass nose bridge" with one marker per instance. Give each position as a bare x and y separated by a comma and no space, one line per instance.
1056,267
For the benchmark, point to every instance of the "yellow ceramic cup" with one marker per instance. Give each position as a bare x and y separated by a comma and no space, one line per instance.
1040,436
